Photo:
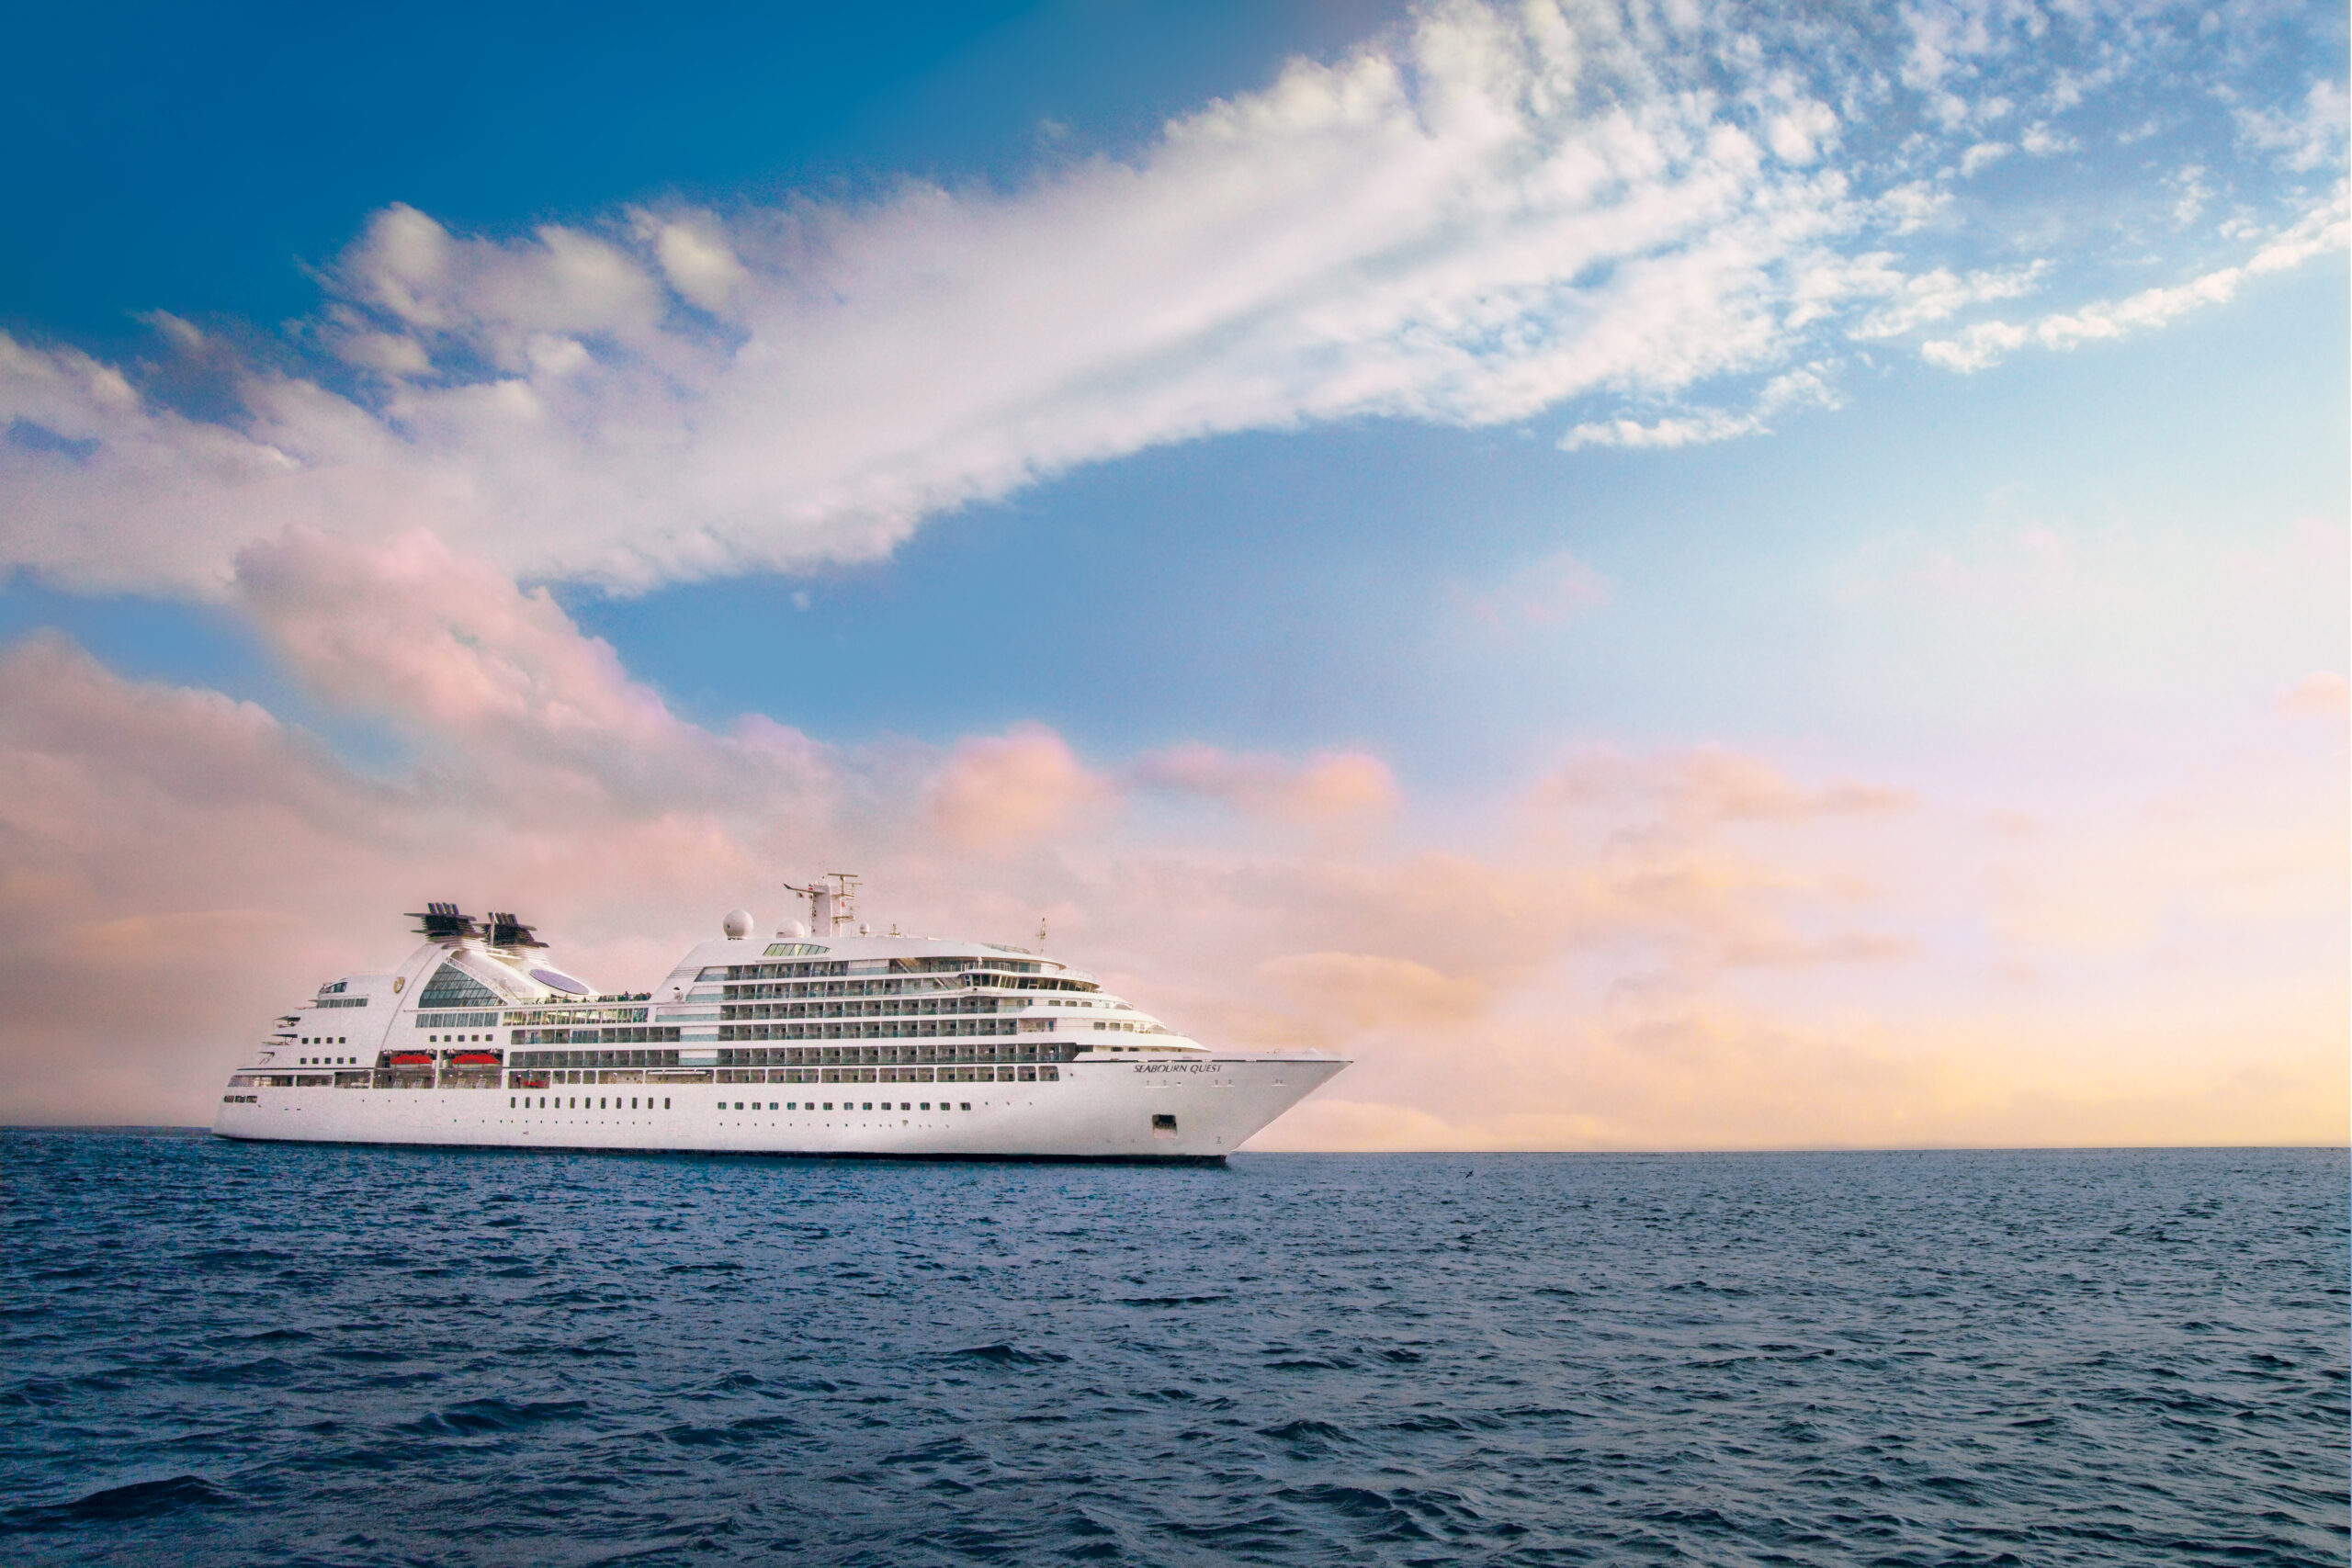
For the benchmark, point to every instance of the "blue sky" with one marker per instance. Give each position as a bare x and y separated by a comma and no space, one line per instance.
193,161
1168,428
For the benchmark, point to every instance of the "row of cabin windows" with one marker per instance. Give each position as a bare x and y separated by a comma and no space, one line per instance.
886,1028
968,1071
574,1102
805,970
627,1034
736,991
1030,1050
923,1029
953,1006
1010,1072
425,1077
846,997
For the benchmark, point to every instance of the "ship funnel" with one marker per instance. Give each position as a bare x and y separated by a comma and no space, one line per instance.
442,922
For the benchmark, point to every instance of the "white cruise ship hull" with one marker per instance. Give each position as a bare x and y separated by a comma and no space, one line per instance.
1197,1109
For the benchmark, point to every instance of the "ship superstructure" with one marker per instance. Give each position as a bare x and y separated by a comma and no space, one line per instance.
824,1039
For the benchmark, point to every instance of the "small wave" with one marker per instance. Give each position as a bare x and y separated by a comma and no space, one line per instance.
735,1434
267,1370
1389,1520
1171,1300
1440,1423
139,1500
1258,1530
480,1417
1006,1355
236,1258
1306,1434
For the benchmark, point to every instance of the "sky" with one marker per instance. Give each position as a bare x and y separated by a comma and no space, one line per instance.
1659,575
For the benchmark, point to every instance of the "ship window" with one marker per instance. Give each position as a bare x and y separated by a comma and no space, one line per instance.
926,1105
967,1105
453,987
665,1102
828,1105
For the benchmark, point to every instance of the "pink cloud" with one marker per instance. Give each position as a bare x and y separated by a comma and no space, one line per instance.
1673,948
2320,694
411,630
1327,787
1365,991
1556,589
1002,793
1705,784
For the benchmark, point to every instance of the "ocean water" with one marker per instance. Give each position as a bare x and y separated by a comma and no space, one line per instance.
220,1353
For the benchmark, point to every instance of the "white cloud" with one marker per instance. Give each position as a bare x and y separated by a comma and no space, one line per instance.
2041,141
1490,213
1982,156
2194,194
1986,343
1675,430
697,259
1806,387
2306,138
1916,300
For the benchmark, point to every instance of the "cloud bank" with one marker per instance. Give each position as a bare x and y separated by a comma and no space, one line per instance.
1673,221
1673,947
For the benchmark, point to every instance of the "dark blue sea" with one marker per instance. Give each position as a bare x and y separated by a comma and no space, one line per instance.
220,1353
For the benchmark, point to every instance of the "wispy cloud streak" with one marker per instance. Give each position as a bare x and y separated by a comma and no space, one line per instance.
1663,219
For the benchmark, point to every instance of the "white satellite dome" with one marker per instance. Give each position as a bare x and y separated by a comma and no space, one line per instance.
793,927
738,924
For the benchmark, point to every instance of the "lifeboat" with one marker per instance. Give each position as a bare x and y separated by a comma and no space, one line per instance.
474,1059
410,1059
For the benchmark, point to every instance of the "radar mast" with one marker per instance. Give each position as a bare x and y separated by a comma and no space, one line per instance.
829,908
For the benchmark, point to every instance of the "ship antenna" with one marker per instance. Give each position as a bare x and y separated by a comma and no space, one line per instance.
1041,934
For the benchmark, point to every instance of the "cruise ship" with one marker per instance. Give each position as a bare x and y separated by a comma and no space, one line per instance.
826,1039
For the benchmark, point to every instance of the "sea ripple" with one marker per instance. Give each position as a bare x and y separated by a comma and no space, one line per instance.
221,1353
